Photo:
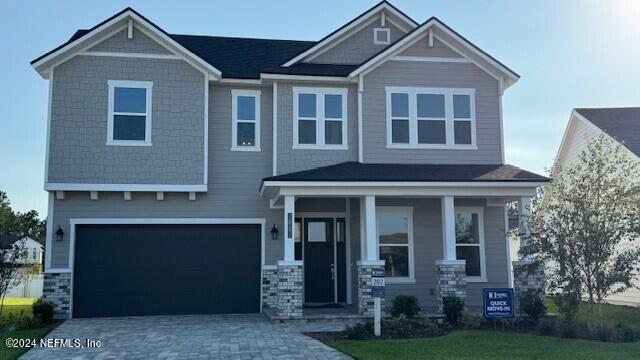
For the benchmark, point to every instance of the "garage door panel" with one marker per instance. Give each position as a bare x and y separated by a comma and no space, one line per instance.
166,269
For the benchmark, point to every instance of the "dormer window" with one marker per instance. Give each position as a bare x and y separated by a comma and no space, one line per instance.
129,122
381,36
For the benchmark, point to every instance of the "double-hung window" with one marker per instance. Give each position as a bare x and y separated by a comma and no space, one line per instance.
245,131
430,118
319,118
470,241
129,121
395,242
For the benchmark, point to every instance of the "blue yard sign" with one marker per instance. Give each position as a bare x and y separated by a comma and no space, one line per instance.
497,303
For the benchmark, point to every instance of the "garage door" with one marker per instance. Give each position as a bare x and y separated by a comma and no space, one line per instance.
124,270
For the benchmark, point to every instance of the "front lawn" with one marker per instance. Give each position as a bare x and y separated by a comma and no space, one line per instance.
17,305
14,353
612,314
482,344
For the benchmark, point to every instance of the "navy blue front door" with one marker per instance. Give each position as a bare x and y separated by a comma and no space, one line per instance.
319,266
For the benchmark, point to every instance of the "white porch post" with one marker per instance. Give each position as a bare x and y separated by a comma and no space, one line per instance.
370,242
289,219
448,228
524,212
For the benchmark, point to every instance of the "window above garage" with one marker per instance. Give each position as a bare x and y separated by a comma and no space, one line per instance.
129,122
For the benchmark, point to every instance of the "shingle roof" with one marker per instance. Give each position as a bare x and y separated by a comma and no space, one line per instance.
355,171
621,123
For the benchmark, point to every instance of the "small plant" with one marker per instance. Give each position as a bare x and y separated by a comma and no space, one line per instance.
624,333
402,327
42,311
406,305
547,327
470,321
452,307
359,331
532,304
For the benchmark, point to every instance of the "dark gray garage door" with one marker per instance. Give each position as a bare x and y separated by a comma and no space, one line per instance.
166,269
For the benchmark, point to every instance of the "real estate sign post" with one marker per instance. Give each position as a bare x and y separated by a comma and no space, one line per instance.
377,291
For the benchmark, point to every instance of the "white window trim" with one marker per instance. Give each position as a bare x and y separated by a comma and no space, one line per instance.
381,30
234,119
483,261
406,210
320,118
449,120
148,86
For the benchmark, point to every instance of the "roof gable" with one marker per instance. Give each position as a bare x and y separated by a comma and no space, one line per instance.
111,26
622,124
435,29
382,10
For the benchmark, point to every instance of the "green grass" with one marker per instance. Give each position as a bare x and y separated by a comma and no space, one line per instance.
17,305
483,344
14,353
612,314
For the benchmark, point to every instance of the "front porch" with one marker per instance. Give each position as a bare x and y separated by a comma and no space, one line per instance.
430,239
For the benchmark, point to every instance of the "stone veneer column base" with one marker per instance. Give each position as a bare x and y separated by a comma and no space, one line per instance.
56,289
290,291
270,286
365,300
527,277
450,280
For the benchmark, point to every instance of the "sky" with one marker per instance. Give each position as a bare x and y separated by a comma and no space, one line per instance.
569,54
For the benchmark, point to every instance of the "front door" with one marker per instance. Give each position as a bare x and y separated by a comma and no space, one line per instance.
319,264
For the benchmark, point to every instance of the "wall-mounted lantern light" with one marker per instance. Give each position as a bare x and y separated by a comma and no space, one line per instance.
274,232
59,234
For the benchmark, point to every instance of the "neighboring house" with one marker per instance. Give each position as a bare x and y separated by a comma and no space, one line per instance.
32,250
621,125
204,174
29,278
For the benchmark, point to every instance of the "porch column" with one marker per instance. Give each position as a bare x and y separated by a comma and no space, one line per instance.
290,291
450,272
369,263
524,212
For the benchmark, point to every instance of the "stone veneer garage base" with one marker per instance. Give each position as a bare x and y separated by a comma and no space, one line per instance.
56,289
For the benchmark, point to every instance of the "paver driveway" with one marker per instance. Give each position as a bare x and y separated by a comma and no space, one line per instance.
189,337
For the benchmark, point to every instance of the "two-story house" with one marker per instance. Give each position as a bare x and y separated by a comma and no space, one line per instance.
204,174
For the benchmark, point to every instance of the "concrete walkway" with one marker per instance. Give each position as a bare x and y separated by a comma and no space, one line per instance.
188,337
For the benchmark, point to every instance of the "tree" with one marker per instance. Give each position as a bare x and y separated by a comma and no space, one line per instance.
584,226
15,226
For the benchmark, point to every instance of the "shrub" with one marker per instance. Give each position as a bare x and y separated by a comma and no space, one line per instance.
14,322
548,327
470,321
403,327
452,307
624,333
406,305
42,311
359,331
532,304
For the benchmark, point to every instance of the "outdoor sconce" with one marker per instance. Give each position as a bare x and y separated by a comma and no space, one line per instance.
274,232
59,234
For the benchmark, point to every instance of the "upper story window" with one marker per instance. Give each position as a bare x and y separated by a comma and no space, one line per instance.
245,132
470,242
320,118
382,36
431,118
129,122
395,242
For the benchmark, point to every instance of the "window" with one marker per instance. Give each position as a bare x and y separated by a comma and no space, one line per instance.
430,118
470,242
245,132
395,242
320,118
34,254
129,122
381,36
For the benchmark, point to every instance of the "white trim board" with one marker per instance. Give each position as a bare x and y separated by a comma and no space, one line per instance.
130,55
235,93
157,221
148,87
124,187
320,118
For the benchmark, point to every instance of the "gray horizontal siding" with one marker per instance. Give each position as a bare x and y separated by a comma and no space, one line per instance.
139,43
421,48
78,152
289,159
358,47
430,74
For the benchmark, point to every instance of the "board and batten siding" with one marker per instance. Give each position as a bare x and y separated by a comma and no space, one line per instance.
79,115
358,47
431,74
289,159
